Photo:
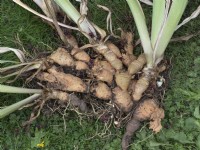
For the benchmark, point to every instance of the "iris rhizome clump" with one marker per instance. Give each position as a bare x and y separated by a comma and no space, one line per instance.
101,79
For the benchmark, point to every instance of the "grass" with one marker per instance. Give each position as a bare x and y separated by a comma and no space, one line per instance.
20,29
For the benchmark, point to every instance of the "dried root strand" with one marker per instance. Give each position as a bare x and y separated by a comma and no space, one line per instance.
109,56
80,55
123,79
140,87
62,57
122,99
102,91
137,65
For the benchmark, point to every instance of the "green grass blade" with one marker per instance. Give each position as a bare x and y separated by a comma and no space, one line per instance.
174,16
140,21
9,109
12,89
157,19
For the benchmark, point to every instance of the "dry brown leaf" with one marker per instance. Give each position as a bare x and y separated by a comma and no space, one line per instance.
177,39
193,15
185,38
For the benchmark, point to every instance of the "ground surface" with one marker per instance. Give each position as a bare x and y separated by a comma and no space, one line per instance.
20,29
